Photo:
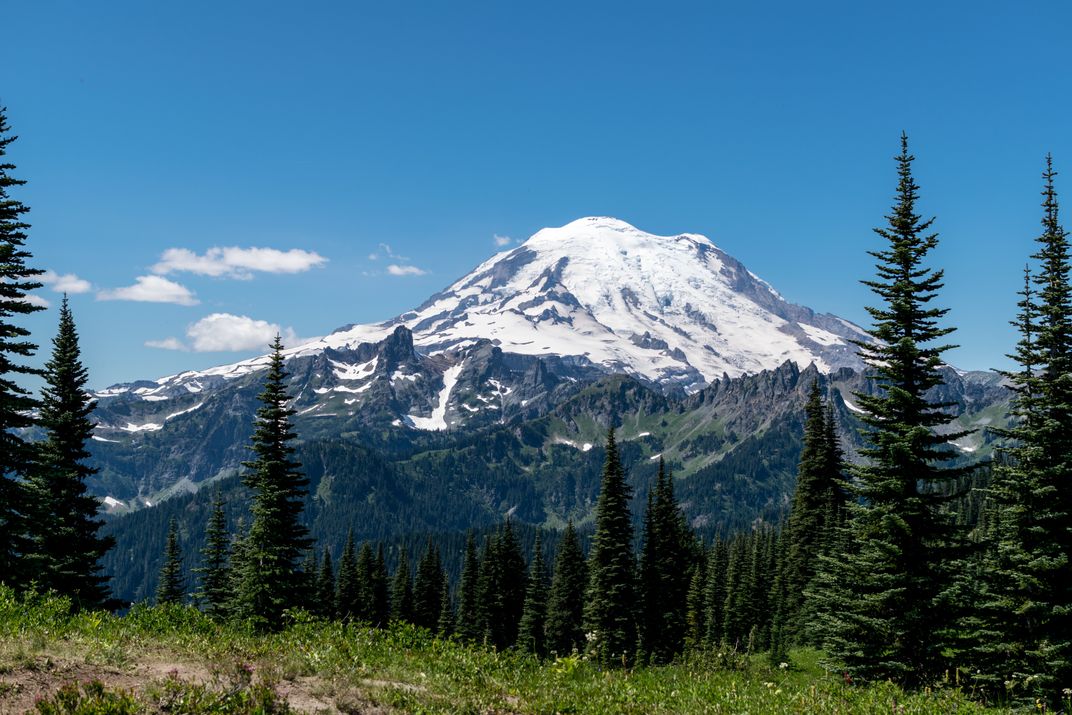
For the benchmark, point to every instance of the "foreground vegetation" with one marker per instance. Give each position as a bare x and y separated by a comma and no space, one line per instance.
206,667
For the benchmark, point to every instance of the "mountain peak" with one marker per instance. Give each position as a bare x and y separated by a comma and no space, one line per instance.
601,293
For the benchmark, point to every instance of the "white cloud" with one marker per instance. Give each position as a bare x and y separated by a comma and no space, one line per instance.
167,344
502,240
65,283
235,262
151,289
223,332
385,250
37,300
397,270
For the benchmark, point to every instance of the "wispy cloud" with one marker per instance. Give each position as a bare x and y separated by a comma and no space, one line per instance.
167,344
385,251
235,262
65,283
397,270
502,240
34,299
151,289
224,332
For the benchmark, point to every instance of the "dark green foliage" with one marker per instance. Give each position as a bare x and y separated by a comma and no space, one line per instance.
468,621
270,579
402,591
1022,629
65,548
817,505
530,637
215,572
348,594
428,589
16,403
324,599
366,580
380,588
665,569
610,607
564,627
445,627
695,606
170,587
714,614
501,587
889,618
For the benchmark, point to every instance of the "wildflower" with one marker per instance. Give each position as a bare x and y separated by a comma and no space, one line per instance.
783,665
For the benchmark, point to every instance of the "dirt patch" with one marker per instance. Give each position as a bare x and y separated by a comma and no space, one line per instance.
22,686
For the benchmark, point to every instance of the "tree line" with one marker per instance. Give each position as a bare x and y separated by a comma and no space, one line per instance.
875,563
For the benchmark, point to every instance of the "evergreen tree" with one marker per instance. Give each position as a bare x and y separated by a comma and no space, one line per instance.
817,503
1023,626
170,587
665,564
533,619
565,603
696,609
469,625
402,591
366,580
65,546
889,619
381,597
715,592
309,573
324,605
428,588
501,585
610,608
348,584
270,579
17,279
445,627
215,594
736,608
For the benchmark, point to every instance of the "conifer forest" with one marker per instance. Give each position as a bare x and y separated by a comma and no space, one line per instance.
894,561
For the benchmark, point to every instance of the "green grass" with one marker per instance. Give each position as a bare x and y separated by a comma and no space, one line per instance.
405,669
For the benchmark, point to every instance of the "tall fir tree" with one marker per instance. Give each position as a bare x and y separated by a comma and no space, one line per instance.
889,618
501,587
530,636
17,405
348,583
366,579
271,581
564,627
468,624
381,594
1023,637
716,570
66,548
428,588
817,503
402,591
324,604
445,627
215,569
170,587
610,607
665,569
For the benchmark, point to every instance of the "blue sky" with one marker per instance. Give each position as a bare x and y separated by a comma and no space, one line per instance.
336,130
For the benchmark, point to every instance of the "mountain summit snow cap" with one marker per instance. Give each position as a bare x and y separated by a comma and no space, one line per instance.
675,310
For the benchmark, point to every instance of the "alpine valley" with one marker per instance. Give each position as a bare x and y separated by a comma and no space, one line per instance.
493,398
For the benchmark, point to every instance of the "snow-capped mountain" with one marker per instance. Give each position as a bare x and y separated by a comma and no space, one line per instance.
667,308
600,292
